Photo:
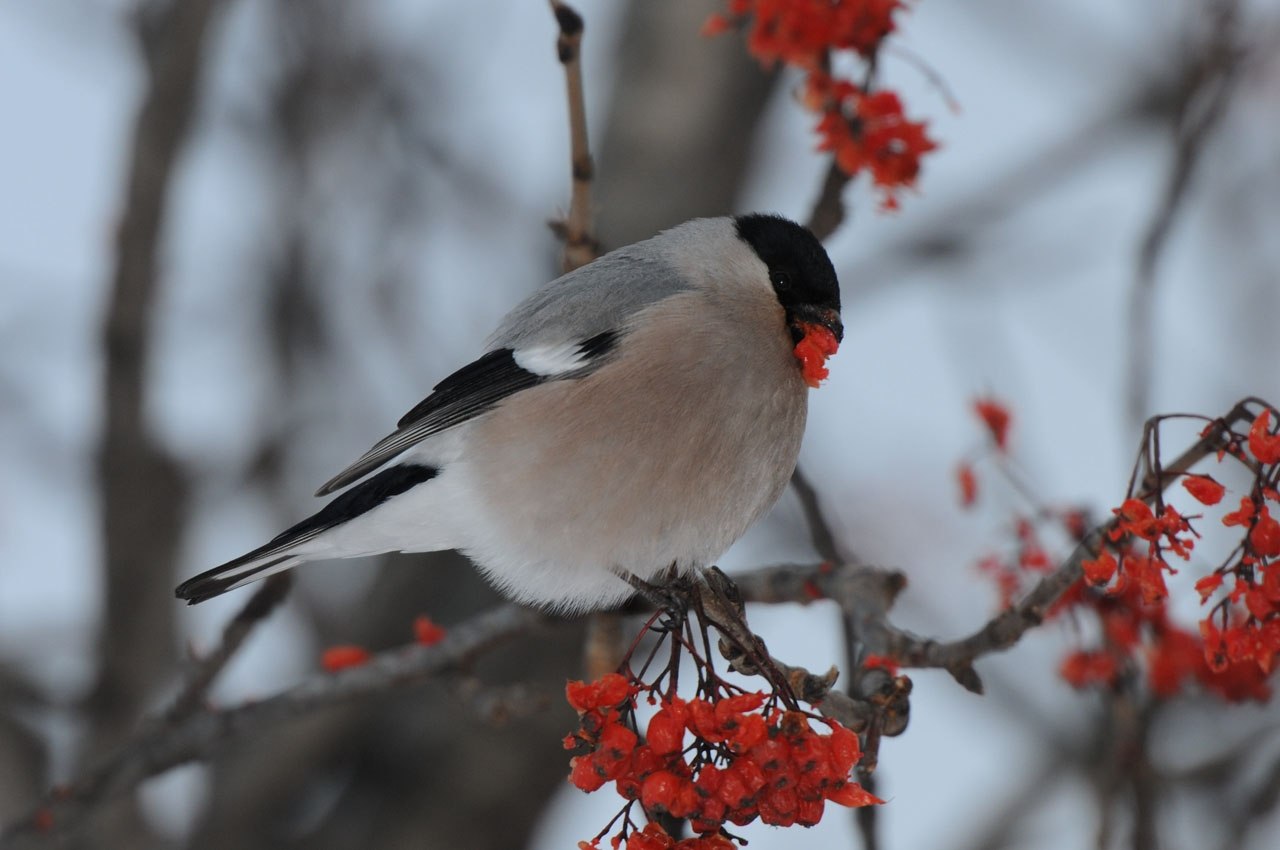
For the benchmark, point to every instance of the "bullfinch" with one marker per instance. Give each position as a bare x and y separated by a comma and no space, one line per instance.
631,417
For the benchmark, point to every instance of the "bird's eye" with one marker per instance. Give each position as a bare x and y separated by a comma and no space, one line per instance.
781,281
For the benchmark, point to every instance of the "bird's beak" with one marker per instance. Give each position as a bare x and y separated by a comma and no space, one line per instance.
814,314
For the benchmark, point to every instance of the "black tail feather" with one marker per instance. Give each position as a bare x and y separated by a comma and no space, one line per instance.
216,581
360,499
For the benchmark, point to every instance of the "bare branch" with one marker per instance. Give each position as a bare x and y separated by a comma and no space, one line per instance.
204,670
580,245
867,817
826,216
829,210
820,532
202,734
867,594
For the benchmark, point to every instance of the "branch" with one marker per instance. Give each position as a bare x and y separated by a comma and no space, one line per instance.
820,532
580,245
877,704
829,210
200,735
866,594
203,671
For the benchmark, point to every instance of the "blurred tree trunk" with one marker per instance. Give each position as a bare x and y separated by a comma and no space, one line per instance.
142,489
669,157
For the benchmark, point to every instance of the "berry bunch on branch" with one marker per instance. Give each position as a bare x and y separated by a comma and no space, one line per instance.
725,756
1122,586
837,45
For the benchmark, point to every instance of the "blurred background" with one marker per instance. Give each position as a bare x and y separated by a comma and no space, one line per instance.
242,237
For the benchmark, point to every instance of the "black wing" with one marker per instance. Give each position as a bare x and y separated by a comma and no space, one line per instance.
474,389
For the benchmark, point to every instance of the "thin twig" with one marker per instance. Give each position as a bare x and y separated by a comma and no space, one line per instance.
829,210
865,819
203,671
825,217
577,230
820,531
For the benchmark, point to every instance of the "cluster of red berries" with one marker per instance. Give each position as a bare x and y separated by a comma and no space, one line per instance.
1239,640
868,131
797,31
744,759
1136,631
1243,627
1142,566
1124,584
865,130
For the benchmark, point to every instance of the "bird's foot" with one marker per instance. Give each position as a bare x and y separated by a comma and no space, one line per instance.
669,592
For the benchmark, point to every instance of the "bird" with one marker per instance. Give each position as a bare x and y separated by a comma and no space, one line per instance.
628,421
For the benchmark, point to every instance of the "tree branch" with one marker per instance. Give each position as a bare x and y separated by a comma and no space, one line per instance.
821,533
828,211
580,245
203,671
200,735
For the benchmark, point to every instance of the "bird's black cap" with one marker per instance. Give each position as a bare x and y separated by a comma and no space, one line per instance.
799,268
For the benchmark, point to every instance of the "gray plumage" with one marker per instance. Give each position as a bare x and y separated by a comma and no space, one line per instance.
593,299
638,413
588,301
